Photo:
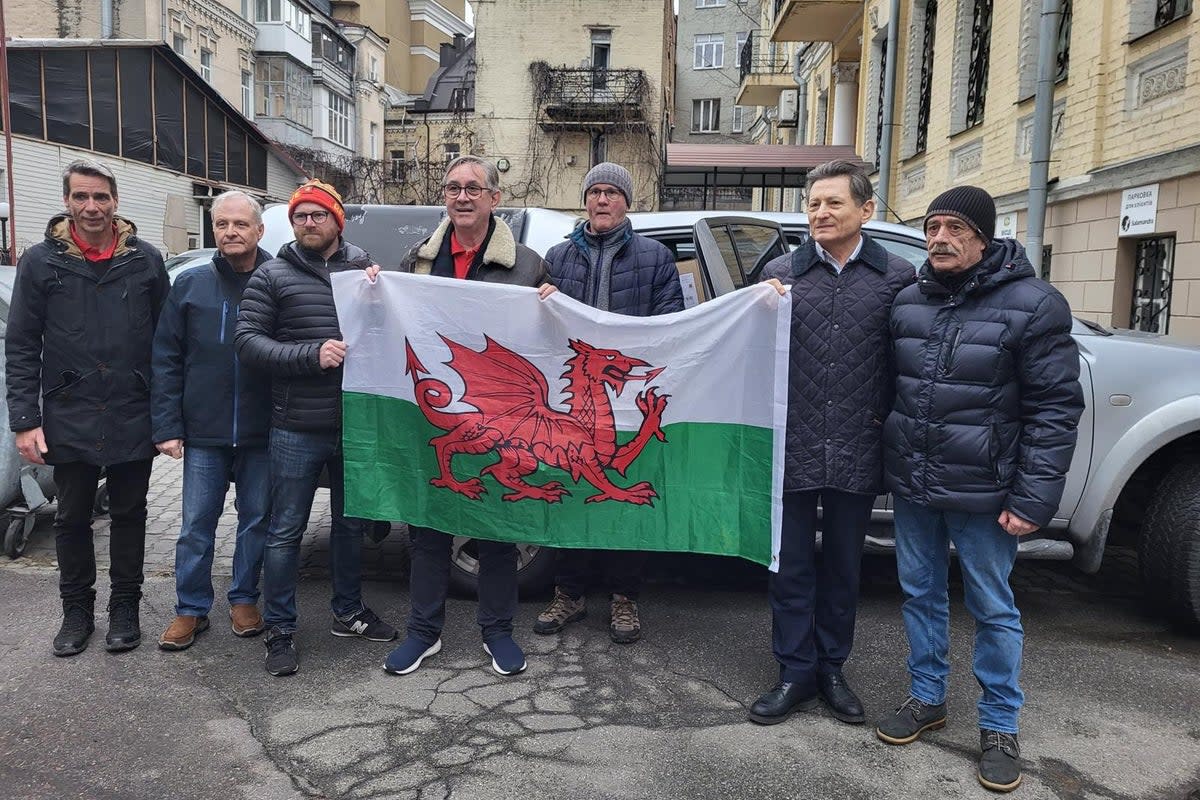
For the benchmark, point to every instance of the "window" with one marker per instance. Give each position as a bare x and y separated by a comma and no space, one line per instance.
601,52
283,89
1027,54
977,74
206,65
739,119
283,11
740,40
374,141
1153,264
1167,11
247,94
397,161
450,151
599,149
926,85
458,99
880,92
1047,255
373,72
709,51
706,116
179,44
338,119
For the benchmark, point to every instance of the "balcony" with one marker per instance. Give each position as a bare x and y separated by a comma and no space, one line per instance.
589,99
814,20
764,72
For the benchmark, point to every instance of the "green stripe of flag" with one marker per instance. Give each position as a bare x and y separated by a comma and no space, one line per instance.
718,499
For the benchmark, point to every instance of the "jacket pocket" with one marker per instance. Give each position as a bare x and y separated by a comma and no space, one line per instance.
69,379
141,382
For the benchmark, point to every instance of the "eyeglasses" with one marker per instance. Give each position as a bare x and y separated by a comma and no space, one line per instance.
609,194
471,190
302,217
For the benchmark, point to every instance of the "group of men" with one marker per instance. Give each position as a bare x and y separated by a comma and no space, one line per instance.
956,389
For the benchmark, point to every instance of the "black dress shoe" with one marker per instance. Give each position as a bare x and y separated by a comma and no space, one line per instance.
842,701
778,704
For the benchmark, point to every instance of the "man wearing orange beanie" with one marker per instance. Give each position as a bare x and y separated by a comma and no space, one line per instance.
288,326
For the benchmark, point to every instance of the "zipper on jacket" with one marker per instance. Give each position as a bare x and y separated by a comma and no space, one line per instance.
224,317
224,310
950,351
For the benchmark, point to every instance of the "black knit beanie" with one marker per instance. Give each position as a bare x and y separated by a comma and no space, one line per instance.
972,205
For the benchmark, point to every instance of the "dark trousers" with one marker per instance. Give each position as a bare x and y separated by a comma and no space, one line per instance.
813,602
429,582
76,483
620,571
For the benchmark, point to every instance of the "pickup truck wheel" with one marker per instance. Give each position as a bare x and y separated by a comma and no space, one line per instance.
1169,550
535,568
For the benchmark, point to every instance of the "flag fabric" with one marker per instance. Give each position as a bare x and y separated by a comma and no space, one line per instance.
480,410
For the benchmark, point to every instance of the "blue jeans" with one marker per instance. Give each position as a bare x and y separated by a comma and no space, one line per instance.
206,474
986,554
296,462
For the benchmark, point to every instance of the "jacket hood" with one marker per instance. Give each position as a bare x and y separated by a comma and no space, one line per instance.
501,246
1004,260
58,235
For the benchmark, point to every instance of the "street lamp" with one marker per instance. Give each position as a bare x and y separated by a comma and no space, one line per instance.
3,232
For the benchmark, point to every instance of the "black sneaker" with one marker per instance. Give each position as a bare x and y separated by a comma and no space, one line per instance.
1000,762
366,625
77,625
124,627
910,720
281,654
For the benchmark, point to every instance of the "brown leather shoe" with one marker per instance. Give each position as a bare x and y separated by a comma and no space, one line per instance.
182,631
245,620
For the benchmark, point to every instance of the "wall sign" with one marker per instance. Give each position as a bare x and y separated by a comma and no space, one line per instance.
1139,207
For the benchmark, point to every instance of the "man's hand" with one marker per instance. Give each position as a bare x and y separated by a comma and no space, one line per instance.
373,272
779,287
171,447
32,445
333,353
1014,525
545,290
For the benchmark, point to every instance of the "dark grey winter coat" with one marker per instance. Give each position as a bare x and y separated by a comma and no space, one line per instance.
840,377
987,395
644,281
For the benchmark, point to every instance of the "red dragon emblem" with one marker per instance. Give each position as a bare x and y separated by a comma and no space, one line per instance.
514,418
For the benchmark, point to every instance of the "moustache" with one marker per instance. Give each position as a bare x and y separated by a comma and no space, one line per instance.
941,250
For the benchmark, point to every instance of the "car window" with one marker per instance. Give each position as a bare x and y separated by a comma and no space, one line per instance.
911,252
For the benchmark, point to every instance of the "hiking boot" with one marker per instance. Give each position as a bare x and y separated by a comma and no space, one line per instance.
910,720
78,623
408,656
625,627
507,658
182,632
281,654
1000,762
562,611
245,620
124,627
364,624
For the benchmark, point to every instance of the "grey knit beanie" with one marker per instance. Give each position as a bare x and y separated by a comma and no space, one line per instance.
613,175
972,205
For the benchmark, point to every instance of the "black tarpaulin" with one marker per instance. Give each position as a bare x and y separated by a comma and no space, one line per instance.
25,92
106,133
216,144
137,125
197,149
236,155
168,115
67,105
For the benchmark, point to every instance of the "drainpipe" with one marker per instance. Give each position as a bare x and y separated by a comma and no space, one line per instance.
884,183
106,19
165,26
1043,121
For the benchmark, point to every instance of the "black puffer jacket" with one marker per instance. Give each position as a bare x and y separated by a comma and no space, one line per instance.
287,313
644,283
78,347
988,395
840,377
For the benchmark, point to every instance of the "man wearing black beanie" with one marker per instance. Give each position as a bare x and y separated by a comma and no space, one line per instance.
976,451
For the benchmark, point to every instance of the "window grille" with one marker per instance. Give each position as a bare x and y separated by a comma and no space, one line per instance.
977,75
1153,267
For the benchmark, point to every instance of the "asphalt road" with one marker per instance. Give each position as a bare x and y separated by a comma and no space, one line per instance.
1113,703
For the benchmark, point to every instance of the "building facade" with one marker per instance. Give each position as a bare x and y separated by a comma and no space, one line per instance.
1122,239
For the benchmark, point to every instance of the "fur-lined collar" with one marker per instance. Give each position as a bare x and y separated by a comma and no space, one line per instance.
501,246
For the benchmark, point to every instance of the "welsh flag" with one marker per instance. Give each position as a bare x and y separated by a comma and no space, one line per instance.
480,410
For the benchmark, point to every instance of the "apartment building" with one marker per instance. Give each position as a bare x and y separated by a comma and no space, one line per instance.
1123,226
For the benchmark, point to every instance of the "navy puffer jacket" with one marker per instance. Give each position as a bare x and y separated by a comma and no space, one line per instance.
644,280
987,394
840,378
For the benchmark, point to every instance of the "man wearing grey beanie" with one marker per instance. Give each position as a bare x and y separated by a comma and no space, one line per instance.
605,264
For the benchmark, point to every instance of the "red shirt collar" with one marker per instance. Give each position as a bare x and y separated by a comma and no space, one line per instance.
92,253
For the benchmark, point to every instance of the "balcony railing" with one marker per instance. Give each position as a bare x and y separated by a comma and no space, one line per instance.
758,57
589,97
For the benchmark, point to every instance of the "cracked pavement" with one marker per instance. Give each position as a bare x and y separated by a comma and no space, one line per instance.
1113,699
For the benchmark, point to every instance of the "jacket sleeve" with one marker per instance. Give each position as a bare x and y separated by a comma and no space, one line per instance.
166,364
254,339
23,345
668,294
162,283
1051,405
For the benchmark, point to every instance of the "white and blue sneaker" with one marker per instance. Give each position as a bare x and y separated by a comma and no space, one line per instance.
408,656
507,658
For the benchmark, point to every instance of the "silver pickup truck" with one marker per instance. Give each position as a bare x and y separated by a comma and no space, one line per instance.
1135,478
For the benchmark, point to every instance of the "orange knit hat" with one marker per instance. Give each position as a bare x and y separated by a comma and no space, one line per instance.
324,195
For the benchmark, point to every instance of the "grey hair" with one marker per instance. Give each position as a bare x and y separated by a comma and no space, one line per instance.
860,185
235,194
94,169
490,173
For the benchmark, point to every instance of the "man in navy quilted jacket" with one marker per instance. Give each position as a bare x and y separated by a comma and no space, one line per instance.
976,452
605,264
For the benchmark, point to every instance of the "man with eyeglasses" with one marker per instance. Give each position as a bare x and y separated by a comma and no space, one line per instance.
288,327
473,244
608,266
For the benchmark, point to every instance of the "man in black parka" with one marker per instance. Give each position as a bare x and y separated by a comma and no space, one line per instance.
976,452
839,392
80,330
